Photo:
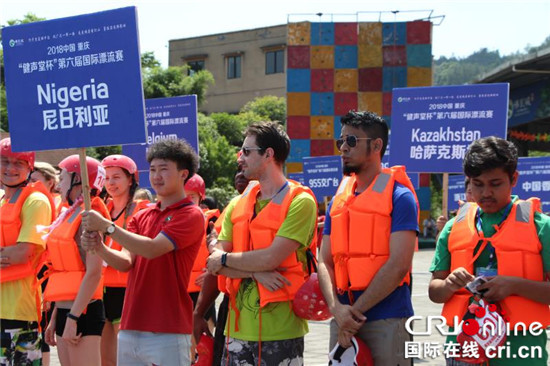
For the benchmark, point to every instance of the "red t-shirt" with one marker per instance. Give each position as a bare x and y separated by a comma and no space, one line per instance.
156,297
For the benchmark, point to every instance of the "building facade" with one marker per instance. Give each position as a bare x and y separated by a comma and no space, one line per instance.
245,65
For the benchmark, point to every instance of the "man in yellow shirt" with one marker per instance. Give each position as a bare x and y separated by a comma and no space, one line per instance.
24,206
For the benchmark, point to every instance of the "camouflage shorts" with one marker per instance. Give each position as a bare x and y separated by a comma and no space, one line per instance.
20,344
284,353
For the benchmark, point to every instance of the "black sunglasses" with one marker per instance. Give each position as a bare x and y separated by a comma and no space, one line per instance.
351,140
246,150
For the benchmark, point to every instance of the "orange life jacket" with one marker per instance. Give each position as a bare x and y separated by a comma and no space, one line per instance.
10,227
361,228
67,268
221,278
200,261
254,233
112,277
517,248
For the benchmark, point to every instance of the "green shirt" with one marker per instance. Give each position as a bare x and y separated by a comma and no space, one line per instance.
278,321
442,262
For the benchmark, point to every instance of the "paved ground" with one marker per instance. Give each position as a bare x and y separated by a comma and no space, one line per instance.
317,339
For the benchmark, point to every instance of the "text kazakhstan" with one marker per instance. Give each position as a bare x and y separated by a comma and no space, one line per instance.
444,135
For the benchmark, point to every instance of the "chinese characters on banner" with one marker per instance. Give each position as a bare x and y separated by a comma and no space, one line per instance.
432,127
74,82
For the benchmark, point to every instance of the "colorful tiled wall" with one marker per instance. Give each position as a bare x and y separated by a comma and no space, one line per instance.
335,67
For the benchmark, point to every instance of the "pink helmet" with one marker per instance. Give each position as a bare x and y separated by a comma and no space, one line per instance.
309,302
196,184
123,162
5,150
96,172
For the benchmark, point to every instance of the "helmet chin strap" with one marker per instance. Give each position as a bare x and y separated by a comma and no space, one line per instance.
22,184
73,184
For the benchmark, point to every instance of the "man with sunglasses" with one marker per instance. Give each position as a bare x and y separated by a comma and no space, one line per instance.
369,238
261,249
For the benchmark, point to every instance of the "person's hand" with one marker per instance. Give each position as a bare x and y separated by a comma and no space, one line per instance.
93,221
344,338
69,333
200,278
440,223
458,278
4,260
200,326
271,280
212,238
214,261
348,318
49,334
498,287
91,241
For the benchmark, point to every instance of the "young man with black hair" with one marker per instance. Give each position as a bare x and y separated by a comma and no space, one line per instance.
268,228
159,247
515,258
369,238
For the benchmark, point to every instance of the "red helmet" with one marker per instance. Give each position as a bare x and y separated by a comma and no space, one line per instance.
205,351
309,302
357,355
96,173
196,184
121,161
5,150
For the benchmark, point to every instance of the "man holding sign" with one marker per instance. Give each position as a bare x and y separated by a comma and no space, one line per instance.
369,239
159,247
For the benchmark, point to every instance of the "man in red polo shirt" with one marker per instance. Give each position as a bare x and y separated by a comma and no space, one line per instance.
159,247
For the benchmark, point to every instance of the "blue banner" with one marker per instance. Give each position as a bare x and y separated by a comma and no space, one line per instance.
167,119
74,82
432,127
529,103
534,180
323,175
456,191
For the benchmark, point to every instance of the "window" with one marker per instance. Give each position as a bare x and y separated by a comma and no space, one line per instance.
233,67
195,66
275,62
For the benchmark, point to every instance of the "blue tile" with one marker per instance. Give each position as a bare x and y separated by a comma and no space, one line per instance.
322,34
298,80
299,148
419,55
394,33
345,57
394,77
322,104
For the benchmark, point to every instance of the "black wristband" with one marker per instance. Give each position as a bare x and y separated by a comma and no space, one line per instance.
224,259
73,317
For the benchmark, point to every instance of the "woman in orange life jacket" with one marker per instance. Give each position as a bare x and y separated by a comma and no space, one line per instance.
46,173
76,279
49,176
121,182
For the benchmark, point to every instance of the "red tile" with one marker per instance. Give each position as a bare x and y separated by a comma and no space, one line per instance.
419,32
298,127
386,104
298,57
345,33
394,55
370,79
344,102
322,147
322,80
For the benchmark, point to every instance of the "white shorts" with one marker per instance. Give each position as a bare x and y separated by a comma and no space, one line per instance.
147,348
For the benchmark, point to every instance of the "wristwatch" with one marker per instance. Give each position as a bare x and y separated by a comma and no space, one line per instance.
111,229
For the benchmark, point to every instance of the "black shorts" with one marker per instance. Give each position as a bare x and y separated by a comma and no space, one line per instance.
88,324
113,299
210,313
46,318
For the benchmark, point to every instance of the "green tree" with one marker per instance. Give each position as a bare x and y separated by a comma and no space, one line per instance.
269,107
148,60
230,126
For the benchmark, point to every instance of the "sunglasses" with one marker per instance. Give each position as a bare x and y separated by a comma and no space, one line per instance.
246,150
351,140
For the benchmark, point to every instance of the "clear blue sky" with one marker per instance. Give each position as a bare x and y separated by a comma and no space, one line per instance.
507,26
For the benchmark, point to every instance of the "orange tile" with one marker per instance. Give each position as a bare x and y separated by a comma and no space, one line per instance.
419,76
369,55
298,104
370,33
322,57
294,167
345,80
299,34
322,127
370,101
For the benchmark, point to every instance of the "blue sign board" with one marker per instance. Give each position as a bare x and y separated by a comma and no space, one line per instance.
323,175
528,103
74,82
432,127
534,180
456,191
167,119
298,177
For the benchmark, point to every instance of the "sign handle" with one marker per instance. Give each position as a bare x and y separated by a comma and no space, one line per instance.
85,180
445,205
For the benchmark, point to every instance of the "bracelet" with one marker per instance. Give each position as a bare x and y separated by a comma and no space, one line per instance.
73,317
224,259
